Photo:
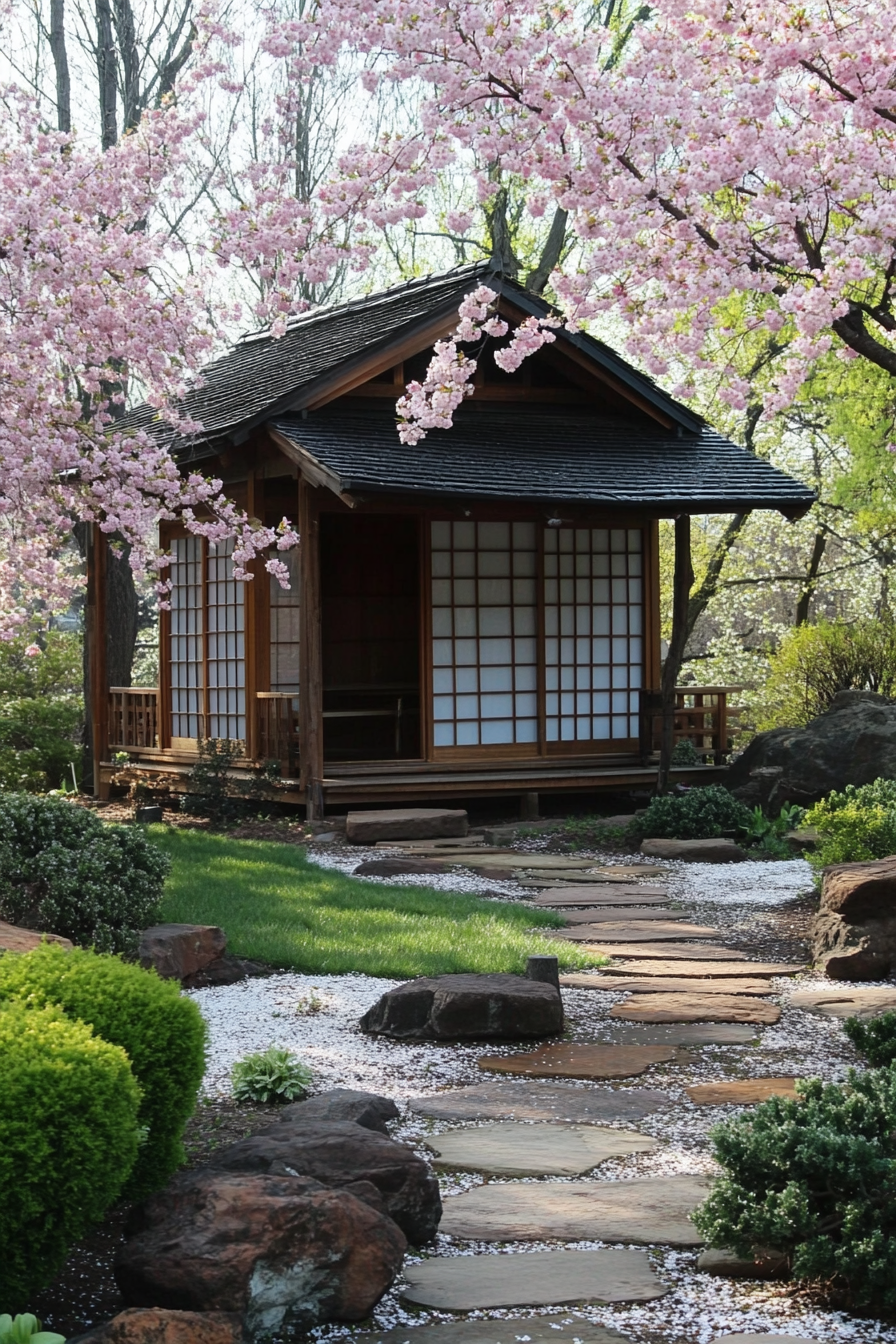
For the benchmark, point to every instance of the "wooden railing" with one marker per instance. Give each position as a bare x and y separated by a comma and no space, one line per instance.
277,729
703,717
133,717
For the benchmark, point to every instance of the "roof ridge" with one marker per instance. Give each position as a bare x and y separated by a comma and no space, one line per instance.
369,300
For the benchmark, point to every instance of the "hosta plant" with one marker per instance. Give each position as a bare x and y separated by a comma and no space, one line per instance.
26,1329
271,1076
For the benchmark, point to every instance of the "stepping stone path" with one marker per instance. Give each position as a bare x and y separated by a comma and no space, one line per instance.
764,1339
535,1150
602,894
741,1092
666,984
651,1210
632,931
580,1061
669,951
536,1279
667,966
540,1101
612,914
687,1033
696,1008
535,1329
845,1002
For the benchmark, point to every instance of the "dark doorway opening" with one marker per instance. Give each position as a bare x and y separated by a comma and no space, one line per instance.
370,616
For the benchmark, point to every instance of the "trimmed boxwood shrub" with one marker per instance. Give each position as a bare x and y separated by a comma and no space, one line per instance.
62,870
699,814
161,1031
68,1138
874,1038
814,1179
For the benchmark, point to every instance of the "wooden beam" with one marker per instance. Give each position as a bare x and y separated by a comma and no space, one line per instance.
343,380
311,700
315,472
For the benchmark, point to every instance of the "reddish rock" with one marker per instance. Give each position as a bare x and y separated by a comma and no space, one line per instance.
467,1007
14,939
153,1325
854,933
282,1251
179,951
405,823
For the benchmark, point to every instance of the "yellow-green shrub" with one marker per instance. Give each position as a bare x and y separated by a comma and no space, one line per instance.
68,1139
856,825
161,1030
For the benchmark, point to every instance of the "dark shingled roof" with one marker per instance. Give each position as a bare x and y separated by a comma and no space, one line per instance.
516,453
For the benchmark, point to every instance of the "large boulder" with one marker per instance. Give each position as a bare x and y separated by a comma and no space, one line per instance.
467,1007
344,1155
854,933
853,742
282,1251
343,1103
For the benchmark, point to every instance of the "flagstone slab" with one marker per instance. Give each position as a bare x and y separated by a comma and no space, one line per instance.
696,1008
650,1210
633,871
667,951
518,1100
845,1002
741,1091
537,1279
580,1061
534,1329
662,984
512,858
633,966
634,931
511,1149
682,1033
765,1339
613,914
602,893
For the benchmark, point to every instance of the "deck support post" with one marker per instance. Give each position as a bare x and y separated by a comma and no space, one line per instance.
311,756
682,582
529,807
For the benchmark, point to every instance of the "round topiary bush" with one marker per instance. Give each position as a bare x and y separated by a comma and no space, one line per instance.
161,1031
68,1139
814,1179
62,870
699,814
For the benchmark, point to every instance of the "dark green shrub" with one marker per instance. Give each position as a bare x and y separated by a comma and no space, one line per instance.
68,1138
161,1031
699,814
814,1179
856,825
875,1039
41,712
62,870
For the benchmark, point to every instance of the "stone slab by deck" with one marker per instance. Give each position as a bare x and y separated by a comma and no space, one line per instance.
635,931
534,1329
661,984
539,1279
517,1100
741,1091
580,1061
651,1210
661,966
405,823
667,951
602,893
695,851
696,1008
642,915
511,1149
845,1002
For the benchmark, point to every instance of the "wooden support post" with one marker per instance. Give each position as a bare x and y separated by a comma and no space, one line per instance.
529,807
95,640
684,578
311,706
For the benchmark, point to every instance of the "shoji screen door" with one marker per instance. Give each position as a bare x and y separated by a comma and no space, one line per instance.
208,653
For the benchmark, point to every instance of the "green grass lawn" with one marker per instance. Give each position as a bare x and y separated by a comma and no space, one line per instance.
277,907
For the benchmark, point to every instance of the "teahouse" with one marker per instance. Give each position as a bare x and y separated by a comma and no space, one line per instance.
478,613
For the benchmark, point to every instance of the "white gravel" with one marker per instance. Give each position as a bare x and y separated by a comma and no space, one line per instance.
316,1016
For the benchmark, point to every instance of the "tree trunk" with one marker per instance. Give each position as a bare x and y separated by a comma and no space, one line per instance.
60,63
684,577
808,589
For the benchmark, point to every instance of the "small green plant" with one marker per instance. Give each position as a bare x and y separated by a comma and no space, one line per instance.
310,1004
767,833
698,814
856,825
161,1030
685,753
215,793
814,1179
26,1329
875,1039
68,1139
274,1075
62,870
